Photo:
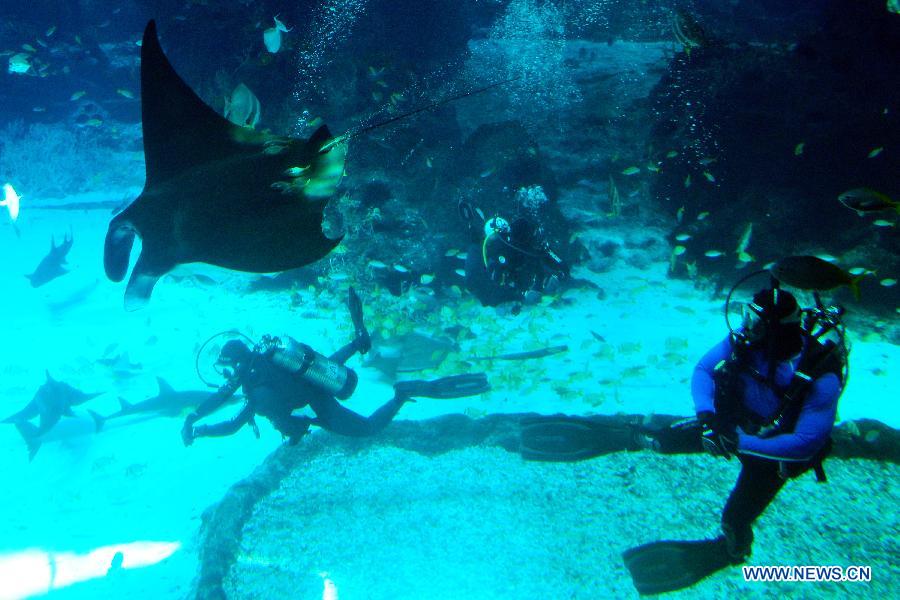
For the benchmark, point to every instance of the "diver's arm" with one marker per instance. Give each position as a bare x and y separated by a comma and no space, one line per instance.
813,427
225,427
703,387
216,399
211,404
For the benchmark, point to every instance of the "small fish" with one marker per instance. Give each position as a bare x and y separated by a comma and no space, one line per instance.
338,276
597,336
631,171
381,83
377,96
29,48
861,271
487,172
78,39
682,237
281,186
653,168
707,161
744,241
19,63
703,215
274,149
426,279
451,252
687,181
462,255
428,161
709,176
827,257
50,31
11,201
77,95
813,273
671,154
882,223
95,122
876,151
541,353
889,282
713,253
679,250
460,272
125,93
401,269
867,200
377,264
375,73
798,149
679,214
295,171
745,258
280,26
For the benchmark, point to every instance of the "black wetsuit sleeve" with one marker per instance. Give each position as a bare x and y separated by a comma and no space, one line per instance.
226,427
217,398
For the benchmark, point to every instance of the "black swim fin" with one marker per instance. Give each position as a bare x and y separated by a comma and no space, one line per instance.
363,341
562,438
666,566
454,386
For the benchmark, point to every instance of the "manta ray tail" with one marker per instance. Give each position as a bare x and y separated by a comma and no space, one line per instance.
29,433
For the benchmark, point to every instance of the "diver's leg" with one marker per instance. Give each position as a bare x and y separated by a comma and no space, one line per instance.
756,487
361,343
335,417
344,354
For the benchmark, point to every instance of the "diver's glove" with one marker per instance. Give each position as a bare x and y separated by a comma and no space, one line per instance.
187,432
716,439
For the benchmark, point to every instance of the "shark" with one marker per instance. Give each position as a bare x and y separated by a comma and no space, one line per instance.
167,402
216,192
72,432
52,265
52,401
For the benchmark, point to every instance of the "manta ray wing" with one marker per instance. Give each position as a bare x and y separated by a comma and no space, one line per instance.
216,192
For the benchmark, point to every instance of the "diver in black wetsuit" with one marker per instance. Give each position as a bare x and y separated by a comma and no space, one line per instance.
279,379
510,262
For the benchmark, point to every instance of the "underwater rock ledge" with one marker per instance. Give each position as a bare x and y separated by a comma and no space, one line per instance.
223,523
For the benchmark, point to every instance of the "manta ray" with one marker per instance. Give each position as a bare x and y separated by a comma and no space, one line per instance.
216,192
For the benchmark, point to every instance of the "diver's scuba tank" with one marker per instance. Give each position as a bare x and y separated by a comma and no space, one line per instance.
317,369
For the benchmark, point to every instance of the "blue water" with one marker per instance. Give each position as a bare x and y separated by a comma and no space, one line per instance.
663,151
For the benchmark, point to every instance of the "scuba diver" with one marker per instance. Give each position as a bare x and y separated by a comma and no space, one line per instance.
509,262
281,378
767,395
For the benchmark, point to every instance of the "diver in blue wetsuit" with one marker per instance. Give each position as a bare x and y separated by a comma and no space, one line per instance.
767,394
